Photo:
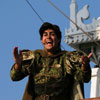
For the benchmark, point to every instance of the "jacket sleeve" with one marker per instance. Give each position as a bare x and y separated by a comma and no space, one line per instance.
27,63
73,67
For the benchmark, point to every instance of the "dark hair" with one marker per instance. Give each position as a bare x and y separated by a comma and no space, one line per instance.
46,26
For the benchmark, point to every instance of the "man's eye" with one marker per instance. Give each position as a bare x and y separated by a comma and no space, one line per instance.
53,33
44,34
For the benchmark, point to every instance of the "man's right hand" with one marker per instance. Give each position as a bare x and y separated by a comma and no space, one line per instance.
17,57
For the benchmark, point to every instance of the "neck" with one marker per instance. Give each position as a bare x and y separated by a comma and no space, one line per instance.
53,51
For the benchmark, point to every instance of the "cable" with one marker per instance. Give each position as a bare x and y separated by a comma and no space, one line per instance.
74,23
35,11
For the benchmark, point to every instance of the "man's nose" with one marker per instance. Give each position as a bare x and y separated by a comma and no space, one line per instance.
49,36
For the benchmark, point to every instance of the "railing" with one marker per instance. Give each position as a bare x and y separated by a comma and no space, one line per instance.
97,98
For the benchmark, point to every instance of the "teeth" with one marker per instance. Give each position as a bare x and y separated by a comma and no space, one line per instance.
50,42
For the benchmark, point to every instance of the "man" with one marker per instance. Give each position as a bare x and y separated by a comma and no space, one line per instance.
53,74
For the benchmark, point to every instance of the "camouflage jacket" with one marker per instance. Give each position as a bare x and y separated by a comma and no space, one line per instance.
55,77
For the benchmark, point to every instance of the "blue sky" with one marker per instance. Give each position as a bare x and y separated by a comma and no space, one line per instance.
19,26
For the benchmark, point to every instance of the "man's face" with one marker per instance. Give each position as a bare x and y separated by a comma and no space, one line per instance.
49,40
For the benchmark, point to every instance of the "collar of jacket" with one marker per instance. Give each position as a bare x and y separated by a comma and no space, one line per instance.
53,55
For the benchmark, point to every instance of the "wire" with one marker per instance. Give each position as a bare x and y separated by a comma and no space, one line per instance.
35,11
74,23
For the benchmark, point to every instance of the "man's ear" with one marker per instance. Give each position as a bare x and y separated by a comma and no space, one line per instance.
59,40
42,41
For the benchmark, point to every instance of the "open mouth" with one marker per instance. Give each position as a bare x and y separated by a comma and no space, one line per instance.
49,42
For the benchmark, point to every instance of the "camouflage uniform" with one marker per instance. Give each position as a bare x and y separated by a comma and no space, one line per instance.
54,77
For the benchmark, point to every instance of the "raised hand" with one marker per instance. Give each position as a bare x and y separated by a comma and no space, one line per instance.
17,57
85,61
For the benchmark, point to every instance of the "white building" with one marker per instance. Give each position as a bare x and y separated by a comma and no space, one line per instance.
85,37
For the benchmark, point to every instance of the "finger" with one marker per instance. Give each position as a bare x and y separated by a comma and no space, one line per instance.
20,52
15,51
90,55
